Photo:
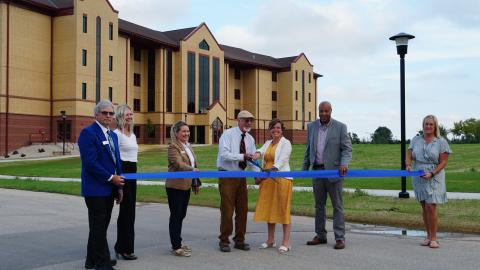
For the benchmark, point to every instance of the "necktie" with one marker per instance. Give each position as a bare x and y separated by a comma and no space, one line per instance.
243,150
112,146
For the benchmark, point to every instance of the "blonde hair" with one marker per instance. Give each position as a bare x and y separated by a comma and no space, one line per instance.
120,117
436,131
175,129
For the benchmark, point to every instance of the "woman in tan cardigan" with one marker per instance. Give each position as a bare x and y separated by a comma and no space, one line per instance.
180,158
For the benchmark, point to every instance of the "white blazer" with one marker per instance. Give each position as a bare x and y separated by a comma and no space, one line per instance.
282,154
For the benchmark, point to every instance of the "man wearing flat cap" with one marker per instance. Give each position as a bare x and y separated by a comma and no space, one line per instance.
236,148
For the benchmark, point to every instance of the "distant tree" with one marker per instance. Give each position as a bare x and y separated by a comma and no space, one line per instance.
354,138
443,131
467,131
382,135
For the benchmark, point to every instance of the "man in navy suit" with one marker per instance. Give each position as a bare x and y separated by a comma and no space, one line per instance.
101,182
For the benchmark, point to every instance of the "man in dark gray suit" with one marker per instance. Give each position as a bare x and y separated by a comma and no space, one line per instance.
328,148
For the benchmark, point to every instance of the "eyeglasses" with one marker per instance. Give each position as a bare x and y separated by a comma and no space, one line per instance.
248,120
107,113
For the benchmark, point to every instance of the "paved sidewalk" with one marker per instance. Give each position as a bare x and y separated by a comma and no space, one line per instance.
49,231
372,192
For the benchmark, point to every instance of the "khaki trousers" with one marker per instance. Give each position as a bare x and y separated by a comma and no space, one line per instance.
233,198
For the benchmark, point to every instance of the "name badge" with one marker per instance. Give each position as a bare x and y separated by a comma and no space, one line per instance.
105,142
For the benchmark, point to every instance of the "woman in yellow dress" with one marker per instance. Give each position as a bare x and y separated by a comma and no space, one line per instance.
273,204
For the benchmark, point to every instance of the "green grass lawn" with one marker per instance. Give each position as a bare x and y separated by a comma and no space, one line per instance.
463,169
456,215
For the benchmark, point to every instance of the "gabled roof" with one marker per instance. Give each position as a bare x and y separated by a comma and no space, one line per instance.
179,34
243,56
129,28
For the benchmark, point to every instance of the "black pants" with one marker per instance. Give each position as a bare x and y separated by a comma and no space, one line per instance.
99,213
177,202
126,216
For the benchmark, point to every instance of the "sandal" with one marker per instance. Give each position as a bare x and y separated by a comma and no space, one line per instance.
425,242
434,244
283,249
181,252
265,245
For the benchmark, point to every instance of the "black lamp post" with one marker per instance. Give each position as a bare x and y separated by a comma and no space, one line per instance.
402,44
64,118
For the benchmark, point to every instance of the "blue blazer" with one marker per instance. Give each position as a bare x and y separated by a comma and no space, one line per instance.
97,162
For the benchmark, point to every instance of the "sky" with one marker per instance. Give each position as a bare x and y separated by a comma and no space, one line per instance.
347,41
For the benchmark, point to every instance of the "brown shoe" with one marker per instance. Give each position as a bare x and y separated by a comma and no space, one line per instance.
340,244
317,241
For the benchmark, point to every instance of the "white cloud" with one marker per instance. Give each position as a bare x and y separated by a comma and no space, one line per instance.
152,13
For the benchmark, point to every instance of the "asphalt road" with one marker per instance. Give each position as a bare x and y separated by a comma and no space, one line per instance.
49,231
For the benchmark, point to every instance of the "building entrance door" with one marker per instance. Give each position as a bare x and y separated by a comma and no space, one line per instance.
217,130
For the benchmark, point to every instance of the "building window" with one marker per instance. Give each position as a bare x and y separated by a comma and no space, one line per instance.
84,90
203,83
309,77
151,81
237,94
296,75
204,45
110,93
296,95
216,79
110,63
151,132
136,79
309,116
237,74
136,104
84,24
137,54
110,31
136,131
98,58
309,97
167,131
274,95
191,82
274,76
296,115
84,57
169,81
237,111
274,114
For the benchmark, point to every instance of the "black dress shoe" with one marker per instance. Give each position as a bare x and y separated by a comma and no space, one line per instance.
90,265
225,248
126,256
242,246
105,267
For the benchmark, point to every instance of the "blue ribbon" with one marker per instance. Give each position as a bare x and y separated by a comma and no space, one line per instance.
294,174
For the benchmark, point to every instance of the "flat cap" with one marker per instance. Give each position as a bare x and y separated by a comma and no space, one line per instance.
245,114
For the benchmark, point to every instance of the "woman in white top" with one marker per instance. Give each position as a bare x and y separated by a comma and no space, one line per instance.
273,204
127,143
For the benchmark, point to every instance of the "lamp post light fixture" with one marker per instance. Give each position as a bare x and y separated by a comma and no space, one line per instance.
64,118
401,40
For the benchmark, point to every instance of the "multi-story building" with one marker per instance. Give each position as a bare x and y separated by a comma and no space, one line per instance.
65,55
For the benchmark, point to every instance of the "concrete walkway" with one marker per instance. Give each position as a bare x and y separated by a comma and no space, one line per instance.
49,231
372,192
